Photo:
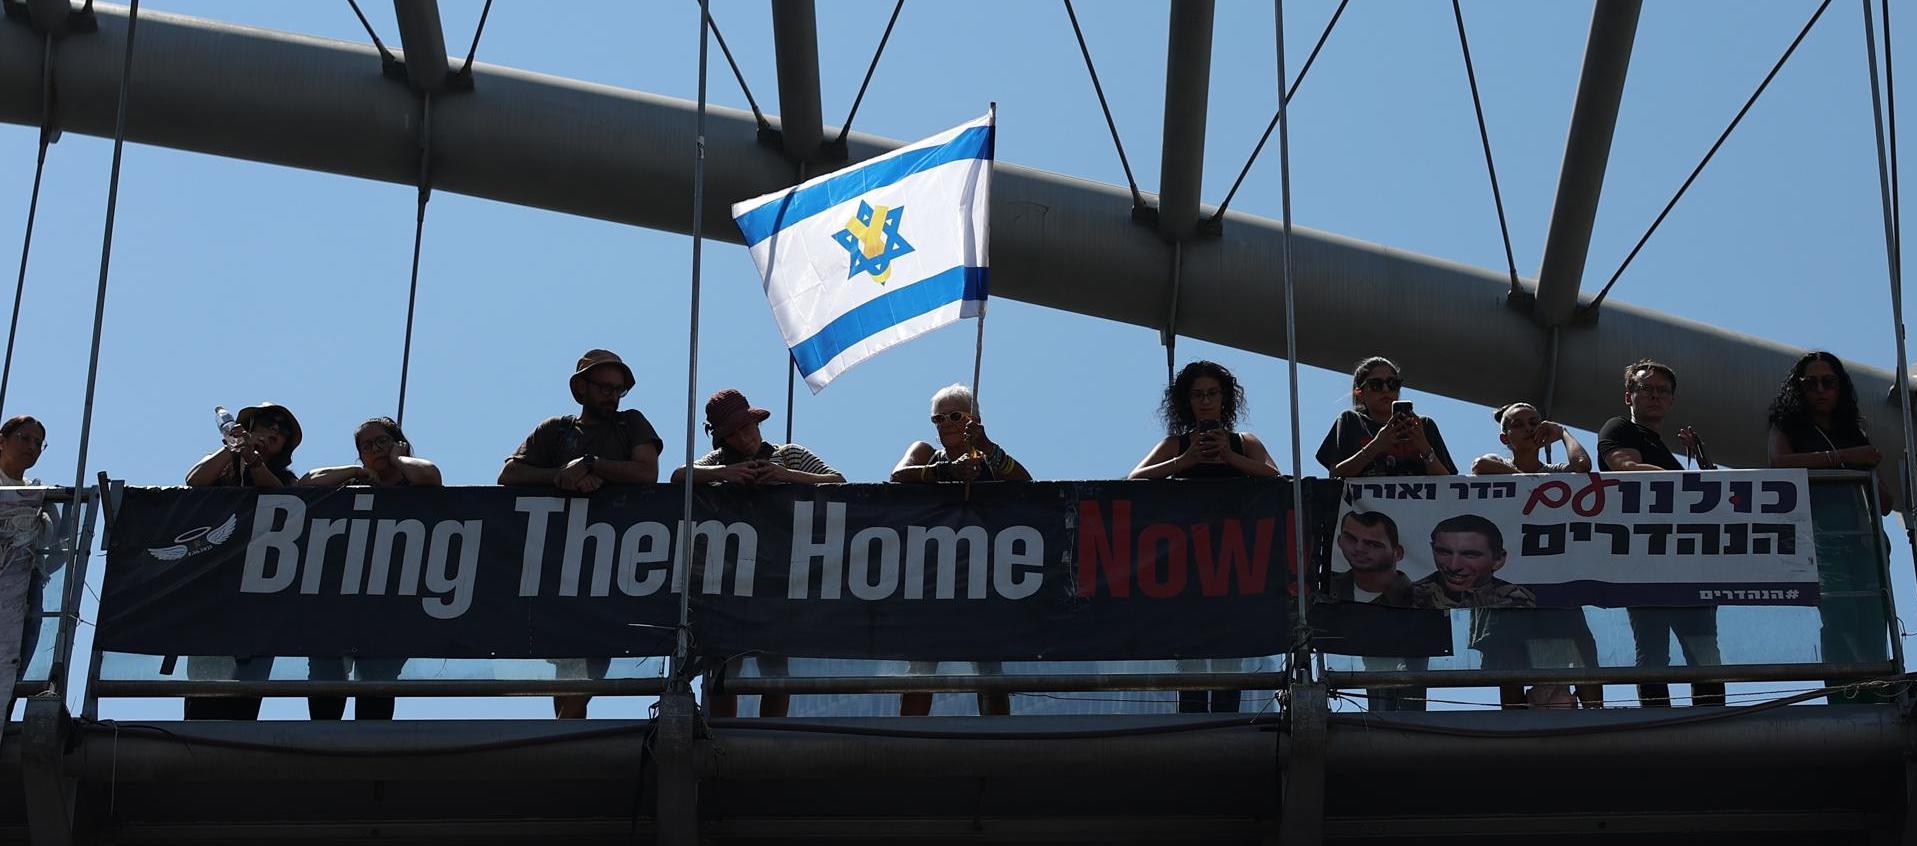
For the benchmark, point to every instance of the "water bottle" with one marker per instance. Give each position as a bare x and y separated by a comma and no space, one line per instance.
229,427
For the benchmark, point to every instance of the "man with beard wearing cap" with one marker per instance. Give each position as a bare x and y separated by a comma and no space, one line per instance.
258,453
579,453
742,456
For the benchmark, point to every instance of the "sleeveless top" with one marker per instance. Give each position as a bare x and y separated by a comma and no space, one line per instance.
1804,436
985,472
1212,471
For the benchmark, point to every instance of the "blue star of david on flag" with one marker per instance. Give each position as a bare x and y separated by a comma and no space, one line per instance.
872,239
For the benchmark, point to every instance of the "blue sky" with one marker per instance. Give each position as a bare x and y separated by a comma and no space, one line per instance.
234,281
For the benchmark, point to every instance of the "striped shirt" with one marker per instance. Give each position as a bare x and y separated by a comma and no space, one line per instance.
789,456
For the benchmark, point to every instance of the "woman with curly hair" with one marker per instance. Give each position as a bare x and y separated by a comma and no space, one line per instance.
1814,419
1815,424
1201,410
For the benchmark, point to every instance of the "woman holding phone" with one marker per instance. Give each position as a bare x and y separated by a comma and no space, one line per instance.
1201,410
1380,435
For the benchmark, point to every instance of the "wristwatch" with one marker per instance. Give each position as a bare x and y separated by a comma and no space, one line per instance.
590,459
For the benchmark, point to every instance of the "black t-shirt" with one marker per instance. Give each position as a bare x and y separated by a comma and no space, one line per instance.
1212,471
1353,430
1619,433
559,440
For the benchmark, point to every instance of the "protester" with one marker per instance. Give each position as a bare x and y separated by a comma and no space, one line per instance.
1523,428
579,453
22,439
1635,443
1542,637
1373,439
964,454
385,460
1201,414
741,455
1815,424
258,453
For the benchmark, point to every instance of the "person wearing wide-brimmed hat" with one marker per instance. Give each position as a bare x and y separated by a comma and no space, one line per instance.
741,455
258,453
582,452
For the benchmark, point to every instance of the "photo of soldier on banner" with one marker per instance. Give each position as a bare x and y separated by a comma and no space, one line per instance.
1649,539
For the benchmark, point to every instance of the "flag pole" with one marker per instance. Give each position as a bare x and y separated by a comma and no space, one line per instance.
978,340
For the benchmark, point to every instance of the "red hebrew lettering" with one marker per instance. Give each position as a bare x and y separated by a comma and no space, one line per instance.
1550,495
1590,499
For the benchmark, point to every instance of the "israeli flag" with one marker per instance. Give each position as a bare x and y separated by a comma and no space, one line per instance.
877,254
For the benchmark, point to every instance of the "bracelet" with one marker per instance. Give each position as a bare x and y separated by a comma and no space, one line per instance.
1831,456
925,473
1431,456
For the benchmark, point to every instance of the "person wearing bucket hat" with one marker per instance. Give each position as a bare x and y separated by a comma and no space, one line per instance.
740,455
581,452
258,453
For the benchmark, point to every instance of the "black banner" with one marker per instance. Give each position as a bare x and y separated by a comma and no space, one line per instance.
1004,571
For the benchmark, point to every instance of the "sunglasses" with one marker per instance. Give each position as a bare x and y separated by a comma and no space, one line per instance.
1819,383
381,442
608,389
950,417
274,424
1391,384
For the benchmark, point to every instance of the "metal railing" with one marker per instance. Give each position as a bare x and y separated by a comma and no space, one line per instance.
1847,495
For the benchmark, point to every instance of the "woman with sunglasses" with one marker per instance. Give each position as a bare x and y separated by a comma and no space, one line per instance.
1814,421
964,454
1815,424
1374,439
258,453
1200,411
385,460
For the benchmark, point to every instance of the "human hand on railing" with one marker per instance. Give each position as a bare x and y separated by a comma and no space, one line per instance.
770,473
742,473
967,469
575,476
1862,456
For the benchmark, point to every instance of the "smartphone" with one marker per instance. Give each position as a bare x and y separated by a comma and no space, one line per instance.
1209,425
1402,407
